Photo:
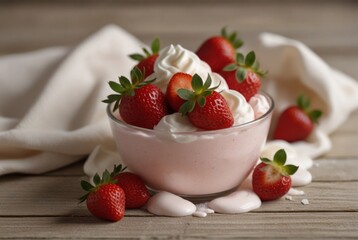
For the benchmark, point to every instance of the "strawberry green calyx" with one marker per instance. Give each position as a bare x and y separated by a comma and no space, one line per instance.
200,91
117,170
303,102
98,181
244,64
278,163
126,87
232,38
155,47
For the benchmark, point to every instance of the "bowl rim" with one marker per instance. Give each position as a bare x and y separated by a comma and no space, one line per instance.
236,127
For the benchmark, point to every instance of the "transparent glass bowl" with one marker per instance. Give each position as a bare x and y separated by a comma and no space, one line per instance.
192,164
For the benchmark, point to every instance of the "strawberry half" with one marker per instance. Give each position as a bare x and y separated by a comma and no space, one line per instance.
219,51
244,75
205,108
105,200
146,61
178,80
133,186
297,122
271,179
140,103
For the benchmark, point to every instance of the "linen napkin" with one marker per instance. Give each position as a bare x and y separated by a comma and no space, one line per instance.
51,113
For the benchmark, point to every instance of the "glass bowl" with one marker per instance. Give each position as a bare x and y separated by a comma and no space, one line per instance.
192,164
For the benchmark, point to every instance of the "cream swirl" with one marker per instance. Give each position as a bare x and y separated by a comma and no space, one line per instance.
260,105
240,109
174,59
174,123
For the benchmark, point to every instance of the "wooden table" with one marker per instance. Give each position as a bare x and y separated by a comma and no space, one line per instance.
45,206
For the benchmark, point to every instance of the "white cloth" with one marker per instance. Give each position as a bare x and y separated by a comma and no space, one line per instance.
51,112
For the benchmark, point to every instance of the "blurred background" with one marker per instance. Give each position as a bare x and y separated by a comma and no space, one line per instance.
330,28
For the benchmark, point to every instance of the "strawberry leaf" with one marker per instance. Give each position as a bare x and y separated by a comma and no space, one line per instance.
197,83
303,102
137,57
83,198
237,43
207,83
230,67
240,59
125,82
250,59
147,53
155,46
240,74
315,115
201,101
266,160
184,93
96,179
290,169
116,87
224,32
280,157
106,177
86,185
187,107
232,37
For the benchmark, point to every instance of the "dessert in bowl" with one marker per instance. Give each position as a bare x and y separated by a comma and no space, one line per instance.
194,163
185,149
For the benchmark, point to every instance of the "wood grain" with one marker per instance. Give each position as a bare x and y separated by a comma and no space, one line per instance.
250,225
45,206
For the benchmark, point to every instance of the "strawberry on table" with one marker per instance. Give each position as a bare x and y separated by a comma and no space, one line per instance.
244,75
105,199
219,51
178,80
205,108
133,186
271,179
146,61
297,122
140,103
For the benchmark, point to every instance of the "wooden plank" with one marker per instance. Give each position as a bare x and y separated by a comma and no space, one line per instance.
56,195
249,225
334,169
29,26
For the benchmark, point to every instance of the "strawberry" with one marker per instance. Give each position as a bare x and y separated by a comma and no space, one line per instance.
105,200
219,51
133,186
140,103
206,108
296,122
271,179
146,62
178,80
243,75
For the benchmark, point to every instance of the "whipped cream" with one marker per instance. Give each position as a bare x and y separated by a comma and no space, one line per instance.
259,104
175,58
170,127
240,109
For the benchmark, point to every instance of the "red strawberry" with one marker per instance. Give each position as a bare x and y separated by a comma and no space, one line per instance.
296,122
140,103
271,179
244,75
133,186
206,108
219,51
146,62
178,80
105,200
